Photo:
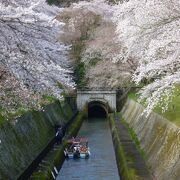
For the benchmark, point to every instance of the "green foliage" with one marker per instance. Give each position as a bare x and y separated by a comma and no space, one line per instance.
51,2
60,85
121,157
77,49
2,118
48,99
79,73
20,111
79,67
173,112
8,115
133,95
134,138
59,2
86,28
113,1
94,61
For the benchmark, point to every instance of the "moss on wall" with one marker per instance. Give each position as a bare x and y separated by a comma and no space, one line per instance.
24,138
124,171
159,138
131,165
58,156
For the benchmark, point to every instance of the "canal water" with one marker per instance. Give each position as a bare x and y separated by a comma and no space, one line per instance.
101,165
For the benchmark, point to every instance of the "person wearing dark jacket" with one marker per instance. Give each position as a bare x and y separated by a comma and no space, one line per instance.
59,135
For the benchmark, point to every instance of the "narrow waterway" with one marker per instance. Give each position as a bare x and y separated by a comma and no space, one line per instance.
101,165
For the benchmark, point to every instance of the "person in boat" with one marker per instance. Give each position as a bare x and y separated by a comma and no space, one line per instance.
76,151
75,148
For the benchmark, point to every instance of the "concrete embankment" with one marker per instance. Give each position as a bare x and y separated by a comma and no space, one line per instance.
24,138
130,163
52,163
159,138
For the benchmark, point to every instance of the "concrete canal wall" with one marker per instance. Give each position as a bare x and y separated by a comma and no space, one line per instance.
56,158
159,138
23,139
130,163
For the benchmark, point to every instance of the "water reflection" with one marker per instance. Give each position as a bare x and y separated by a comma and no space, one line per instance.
102,164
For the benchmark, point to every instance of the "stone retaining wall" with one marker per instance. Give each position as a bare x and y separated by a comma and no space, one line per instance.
23,139
159,138
56,158
130,163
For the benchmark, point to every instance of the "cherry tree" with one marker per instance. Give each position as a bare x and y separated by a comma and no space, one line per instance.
30,49
14,94
150,33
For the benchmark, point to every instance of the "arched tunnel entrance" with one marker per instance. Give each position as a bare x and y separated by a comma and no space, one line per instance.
97,109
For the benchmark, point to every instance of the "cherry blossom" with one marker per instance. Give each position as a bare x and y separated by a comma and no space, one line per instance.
30,49
150,33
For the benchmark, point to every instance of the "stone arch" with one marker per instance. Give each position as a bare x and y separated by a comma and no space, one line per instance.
108,98
97,108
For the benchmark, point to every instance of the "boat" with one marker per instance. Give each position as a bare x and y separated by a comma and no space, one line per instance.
77,148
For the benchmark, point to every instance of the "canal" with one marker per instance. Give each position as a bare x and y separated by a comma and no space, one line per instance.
101,165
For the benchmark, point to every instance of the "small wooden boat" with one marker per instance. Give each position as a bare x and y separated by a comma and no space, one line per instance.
77,148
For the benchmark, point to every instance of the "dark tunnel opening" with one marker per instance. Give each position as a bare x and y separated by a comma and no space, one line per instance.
96,111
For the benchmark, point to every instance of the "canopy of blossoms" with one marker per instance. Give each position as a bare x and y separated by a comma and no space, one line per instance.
30,49
150,33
